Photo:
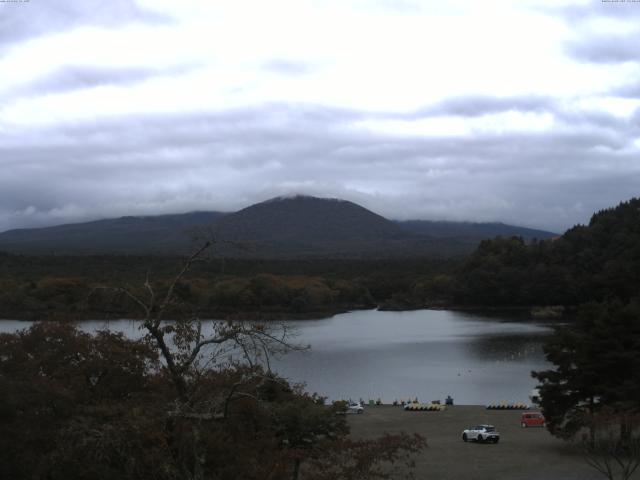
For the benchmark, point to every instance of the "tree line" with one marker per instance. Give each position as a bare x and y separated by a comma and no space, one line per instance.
41,287
593,262
592,395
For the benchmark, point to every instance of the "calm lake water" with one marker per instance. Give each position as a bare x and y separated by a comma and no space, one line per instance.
427,354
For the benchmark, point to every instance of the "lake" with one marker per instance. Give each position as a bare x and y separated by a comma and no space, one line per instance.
427,354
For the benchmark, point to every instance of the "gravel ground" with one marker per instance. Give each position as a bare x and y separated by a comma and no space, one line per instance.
523,453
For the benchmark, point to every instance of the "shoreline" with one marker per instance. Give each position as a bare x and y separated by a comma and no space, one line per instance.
524,313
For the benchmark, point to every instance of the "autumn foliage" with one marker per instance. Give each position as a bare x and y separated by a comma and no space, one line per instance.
101,406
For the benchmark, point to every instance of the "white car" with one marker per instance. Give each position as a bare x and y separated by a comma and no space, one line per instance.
481,433
355,407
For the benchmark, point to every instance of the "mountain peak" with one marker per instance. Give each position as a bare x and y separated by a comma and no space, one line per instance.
299,197
309,220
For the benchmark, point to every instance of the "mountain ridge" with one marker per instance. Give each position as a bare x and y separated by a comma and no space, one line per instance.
297,226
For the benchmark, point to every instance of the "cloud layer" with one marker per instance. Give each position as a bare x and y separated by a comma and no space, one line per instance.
141,108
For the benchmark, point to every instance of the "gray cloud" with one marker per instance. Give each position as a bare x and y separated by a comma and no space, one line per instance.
600,48
574,14
228,160
478,105
25,20
630,90
75,77
607,49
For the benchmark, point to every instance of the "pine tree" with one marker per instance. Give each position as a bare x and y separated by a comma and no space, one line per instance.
597,361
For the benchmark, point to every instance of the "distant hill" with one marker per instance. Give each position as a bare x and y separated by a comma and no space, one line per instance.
472,230
292,227
162,234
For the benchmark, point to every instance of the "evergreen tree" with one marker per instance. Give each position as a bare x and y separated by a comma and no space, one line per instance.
597,363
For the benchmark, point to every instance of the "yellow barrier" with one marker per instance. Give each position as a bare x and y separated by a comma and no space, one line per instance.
507,406
424,407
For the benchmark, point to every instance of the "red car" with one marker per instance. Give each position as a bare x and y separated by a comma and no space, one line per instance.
532,419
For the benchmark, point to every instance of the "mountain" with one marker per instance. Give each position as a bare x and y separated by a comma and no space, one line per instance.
479,231
311,227
308,220
291,227
153,234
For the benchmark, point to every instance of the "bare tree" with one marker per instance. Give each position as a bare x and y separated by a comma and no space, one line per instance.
613,444
221,392
189,350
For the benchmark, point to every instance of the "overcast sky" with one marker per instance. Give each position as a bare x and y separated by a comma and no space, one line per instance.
526,112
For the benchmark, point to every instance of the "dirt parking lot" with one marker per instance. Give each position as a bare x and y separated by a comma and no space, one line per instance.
523,453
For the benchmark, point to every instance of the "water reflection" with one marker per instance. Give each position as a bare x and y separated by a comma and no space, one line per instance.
428,354
508,348
391,355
